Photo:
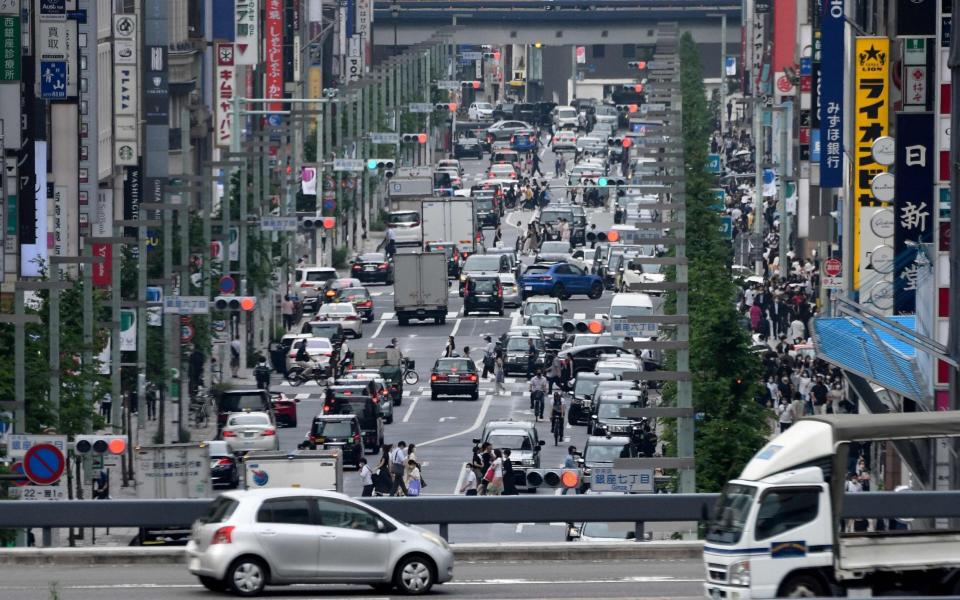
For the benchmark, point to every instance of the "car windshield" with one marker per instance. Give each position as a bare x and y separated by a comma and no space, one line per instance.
238,402
612,531
454,365
484,105
552,216
403,218
730,514
316,343
566,112
354,294
522,343
371,257
321,275
483,204
609,340
548,321
514,441
324,330
586,386
607,110
377,357
482,263
337,309
617,369
555,247
248,420
540,308
605,453
484,286
611,410
338,429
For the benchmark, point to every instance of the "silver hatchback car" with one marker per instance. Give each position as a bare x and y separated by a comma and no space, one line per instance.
280,536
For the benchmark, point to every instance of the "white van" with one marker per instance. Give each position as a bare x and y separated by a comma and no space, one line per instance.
631,304
407,226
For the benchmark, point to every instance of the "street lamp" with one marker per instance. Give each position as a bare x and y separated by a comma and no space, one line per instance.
395,12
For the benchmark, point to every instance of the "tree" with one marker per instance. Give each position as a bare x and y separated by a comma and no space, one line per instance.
731,426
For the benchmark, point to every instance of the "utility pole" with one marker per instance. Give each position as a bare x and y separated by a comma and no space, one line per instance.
758,204
954,320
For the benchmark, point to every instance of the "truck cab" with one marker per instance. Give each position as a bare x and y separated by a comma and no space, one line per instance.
776,530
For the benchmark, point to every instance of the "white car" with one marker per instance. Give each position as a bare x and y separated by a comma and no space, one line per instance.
564,140
345,314
446,163
318,348
502,171
406,227
511,291
540,305
248,431
565,117
480,110
281,536
309,280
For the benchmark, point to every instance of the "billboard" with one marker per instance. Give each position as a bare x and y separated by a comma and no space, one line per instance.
913,205
830,97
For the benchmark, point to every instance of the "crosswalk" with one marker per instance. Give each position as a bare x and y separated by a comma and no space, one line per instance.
513,386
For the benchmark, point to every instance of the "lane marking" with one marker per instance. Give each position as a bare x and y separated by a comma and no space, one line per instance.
379,329
579,316
456,326
413,405
476,424
386,316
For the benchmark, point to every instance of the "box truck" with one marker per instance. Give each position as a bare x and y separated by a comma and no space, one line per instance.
451,220
420,287
315,469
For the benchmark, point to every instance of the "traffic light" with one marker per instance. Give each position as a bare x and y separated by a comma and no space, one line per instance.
244,303
614,141
612,181
627,108
471,84
100,444
633,87
414,138
638,64
387,164
554,478
489,55
592,326
445,106
319,222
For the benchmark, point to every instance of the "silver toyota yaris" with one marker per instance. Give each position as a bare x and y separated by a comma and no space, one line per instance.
250,539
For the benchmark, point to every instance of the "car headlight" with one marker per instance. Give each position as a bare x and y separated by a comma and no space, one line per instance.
527,462
739,573
436,539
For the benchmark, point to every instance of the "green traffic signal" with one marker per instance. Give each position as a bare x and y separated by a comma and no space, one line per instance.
372,164
602,182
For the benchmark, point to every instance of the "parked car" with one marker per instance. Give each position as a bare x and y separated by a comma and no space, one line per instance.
373,267
248,540
345,314
454,377
224,471
360,298
285,409
337,432
468,147
248,431
480,110
561,280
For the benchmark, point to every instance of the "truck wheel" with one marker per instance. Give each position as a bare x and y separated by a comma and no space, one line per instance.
402,321
802,586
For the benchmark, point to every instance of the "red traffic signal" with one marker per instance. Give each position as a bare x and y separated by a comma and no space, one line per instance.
627,142
329,222
422,138
638,88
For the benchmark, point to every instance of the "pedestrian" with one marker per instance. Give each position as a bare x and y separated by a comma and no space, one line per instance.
509,483
553,373
287,309
819,393
469,486
450,349
390,242
556,419
366,478
262,373
414,483
798,331
755,314
536,164
398,459
235,358
532,354
570,462
106,407
538,390
557,165
383,483
497,235
498,375
784,414
411,456
486,472
495,486
195,368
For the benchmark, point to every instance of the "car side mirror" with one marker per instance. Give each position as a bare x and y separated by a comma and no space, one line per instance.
594,417
542,443
381,526
476,440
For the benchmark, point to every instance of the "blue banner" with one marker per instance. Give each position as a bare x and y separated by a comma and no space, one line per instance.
351,18
223,20
831,95
914,206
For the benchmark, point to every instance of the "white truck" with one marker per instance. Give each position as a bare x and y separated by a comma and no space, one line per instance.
420,287
172,471
777,531
315,469
450,220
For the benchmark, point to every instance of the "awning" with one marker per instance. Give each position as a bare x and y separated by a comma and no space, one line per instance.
871,352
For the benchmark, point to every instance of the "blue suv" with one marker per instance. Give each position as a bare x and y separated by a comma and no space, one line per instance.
561,280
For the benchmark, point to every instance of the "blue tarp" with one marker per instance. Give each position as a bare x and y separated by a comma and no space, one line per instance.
871,352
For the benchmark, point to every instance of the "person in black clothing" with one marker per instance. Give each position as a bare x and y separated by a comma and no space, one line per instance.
531,357
486,459
819,392
195,370
536,164
509,485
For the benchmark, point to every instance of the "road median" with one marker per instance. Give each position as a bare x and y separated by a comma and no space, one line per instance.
120,555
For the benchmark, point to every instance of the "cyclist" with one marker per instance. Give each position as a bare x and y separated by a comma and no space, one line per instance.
556,419
538,389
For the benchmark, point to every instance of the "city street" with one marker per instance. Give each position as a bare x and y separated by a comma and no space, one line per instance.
553,579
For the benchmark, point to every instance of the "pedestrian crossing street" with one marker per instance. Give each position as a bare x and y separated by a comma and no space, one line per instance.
513,386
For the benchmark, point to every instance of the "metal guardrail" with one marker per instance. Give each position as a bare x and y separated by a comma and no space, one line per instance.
457,510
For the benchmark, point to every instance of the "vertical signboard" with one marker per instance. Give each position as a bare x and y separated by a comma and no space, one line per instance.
9,48
33,223
131,200
247,31
913,204
364,30
126,95
156,105
871,105
273,84
225,90
917,17
102,226
831,97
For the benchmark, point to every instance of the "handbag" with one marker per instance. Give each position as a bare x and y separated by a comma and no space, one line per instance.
413,488
488,476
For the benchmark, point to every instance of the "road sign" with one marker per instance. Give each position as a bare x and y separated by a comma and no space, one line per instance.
227,285
53,79
608,479
33,493
832,267
274,120
19,443
726,226
43,464
186,305
448,84
278,223
186,333
471,55
384,138
17,469
713,163
832,283
348,164
420,107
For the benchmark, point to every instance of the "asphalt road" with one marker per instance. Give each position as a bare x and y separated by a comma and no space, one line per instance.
443,430
491,581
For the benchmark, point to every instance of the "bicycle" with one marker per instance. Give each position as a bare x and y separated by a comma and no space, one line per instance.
537,405
298,375
198,407
410,377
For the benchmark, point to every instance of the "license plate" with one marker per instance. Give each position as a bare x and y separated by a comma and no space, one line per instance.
248,434
528,288
369,269
453,379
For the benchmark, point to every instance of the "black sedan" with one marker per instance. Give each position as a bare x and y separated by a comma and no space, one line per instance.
331,288
361,300
468,147
373,267
224,471
454,377
584,358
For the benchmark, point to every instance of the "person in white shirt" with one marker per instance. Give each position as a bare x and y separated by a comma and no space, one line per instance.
469,486
398,461
366,478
